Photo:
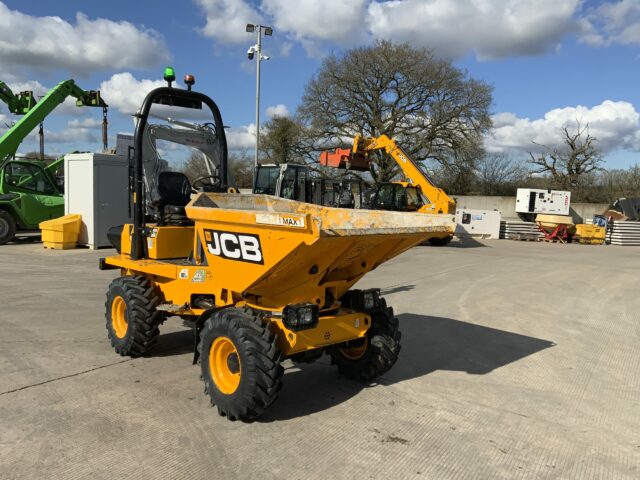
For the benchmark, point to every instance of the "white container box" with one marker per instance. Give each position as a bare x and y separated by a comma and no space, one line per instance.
533,200
96,187
478,223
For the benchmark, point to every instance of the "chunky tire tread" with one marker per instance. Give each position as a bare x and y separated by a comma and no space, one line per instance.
261,371
383,347
142,317
440,241
11,232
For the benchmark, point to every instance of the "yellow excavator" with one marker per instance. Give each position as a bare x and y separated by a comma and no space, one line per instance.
258,277
416,194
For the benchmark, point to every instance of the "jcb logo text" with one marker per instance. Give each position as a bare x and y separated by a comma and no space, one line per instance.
244,247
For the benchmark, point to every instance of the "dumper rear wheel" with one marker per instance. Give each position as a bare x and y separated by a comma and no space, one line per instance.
240,364
440,241
373,355
132,319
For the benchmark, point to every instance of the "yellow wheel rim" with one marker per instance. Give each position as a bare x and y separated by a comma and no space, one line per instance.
224,365
119,317
355,352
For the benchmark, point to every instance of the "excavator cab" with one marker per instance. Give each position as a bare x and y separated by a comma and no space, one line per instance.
285,180
294,182
398,197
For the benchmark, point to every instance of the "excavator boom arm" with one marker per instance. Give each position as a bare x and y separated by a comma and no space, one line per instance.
358,158
415,175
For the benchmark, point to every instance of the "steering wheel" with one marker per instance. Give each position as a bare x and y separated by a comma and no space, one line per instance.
205,182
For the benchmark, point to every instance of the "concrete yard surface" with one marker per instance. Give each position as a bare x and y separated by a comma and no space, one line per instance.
519,360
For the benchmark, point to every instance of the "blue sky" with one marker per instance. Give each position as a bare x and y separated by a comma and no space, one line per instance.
550,61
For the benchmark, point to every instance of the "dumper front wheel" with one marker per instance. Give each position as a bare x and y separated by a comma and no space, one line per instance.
240,364
373,355
132,319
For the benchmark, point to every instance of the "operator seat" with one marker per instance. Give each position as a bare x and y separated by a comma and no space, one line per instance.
346,199
175,191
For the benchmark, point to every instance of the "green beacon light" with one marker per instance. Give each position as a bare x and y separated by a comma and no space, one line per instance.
169,75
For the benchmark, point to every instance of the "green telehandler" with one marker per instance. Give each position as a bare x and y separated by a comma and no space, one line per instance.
29,193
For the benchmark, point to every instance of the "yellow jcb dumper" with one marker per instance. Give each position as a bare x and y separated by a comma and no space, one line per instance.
259,278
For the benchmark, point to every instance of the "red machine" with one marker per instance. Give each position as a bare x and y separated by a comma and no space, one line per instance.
342,158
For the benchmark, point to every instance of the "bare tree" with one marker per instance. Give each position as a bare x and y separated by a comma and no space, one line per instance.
568,164
281,141
241,167
618,183
240,164
499,174
431,107
195,166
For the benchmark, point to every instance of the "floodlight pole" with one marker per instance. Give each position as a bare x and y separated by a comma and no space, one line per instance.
256,50
258,61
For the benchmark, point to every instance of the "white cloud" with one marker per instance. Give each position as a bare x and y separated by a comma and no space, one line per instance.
312,20
51,43
279,110
70,135
241,137
614,124
227,20
285,49
86,122
612,22
489,28
125,93
33,85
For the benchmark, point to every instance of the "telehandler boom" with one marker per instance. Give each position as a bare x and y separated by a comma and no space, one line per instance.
29,193
36,111
259,278
417,194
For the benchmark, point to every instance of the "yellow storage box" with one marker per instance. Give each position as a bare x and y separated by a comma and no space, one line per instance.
61,233
591,234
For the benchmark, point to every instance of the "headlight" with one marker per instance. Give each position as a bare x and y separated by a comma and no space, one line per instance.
362,300
300,316
369,300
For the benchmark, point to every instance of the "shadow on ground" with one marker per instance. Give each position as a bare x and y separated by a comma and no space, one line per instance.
25,237
428,344
467,242
173,343
396,289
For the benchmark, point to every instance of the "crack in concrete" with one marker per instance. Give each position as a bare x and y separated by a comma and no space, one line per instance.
63,377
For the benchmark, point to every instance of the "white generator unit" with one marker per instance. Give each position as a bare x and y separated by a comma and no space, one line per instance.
96,186
533,200
478,223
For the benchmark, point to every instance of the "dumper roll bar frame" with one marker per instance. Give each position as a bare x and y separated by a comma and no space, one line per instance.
171,97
